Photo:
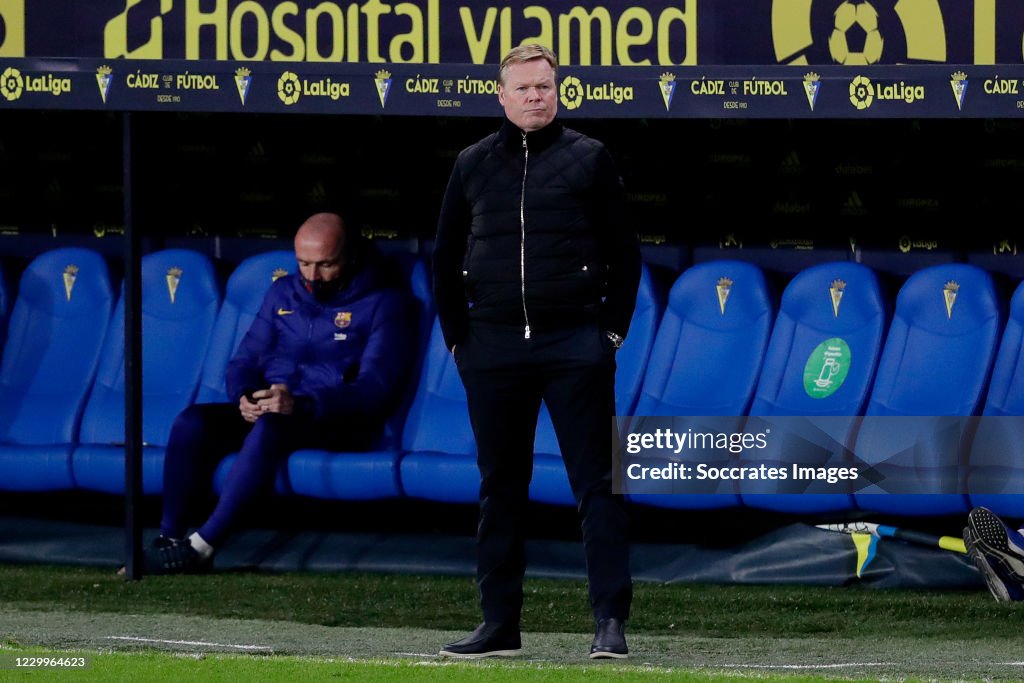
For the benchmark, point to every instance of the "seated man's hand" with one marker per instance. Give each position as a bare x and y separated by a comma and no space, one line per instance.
277,399
250,410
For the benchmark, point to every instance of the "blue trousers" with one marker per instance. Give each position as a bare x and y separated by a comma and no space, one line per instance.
204,434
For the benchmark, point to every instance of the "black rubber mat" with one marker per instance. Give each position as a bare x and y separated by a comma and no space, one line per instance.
793,554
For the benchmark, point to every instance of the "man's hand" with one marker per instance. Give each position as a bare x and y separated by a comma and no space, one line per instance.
276,399
250,410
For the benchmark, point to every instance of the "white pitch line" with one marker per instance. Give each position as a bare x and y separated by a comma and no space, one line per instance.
190,642
804,666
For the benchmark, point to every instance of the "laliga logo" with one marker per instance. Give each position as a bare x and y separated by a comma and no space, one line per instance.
571,92
289,88
858,33
11,84
862,92
12,28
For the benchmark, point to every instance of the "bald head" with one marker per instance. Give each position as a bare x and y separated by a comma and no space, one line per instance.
320,247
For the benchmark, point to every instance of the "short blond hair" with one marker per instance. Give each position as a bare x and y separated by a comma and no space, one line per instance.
526,53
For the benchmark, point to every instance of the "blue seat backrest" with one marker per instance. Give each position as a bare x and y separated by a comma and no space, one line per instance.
438,419
936,363
1006,387
831,311
632,358
53,348
941,345
412,270
243,295
710,344
180,300
994,460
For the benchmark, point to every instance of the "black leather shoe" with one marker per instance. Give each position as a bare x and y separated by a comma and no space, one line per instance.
490,639
609,640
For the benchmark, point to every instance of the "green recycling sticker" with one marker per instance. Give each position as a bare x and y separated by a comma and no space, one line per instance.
826,368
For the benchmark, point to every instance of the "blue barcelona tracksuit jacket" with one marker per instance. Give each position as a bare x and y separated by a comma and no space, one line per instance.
349,355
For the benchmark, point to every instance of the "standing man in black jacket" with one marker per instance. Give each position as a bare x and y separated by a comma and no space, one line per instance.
536,269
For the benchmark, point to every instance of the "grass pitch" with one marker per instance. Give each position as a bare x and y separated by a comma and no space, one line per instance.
261,626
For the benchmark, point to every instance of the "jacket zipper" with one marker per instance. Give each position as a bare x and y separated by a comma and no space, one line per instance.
522,238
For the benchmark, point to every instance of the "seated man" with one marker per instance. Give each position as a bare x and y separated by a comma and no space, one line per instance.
322,366
998,552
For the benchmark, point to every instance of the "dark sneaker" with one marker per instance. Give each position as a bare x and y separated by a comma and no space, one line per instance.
488,640
1003,586
998,541
609,640
172,556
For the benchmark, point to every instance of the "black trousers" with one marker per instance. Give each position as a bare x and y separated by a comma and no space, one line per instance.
506,377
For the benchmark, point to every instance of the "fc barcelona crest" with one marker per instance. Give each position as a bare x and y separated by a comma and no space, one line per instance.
343,319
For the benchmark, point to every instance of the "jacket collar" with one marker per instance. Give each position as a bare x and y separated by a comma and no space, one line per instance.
511,135
362,277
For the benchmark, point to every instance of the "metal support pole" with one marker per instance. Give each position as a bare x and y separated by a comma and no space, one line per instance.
132,369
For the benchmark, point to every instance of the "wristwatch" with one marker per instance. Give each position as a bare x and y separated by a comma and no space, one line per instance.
615,339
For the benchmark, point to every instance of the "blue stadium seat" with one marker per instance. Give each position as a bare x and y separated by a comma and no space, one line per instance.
440,452
1006,387
49,361
995,466
440,459
372,474
831,321
244,293
935,369
550,483
706,359
180,300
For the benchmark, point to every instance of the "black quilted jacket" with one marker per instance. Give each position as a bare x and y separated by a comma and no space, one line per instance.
534,233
